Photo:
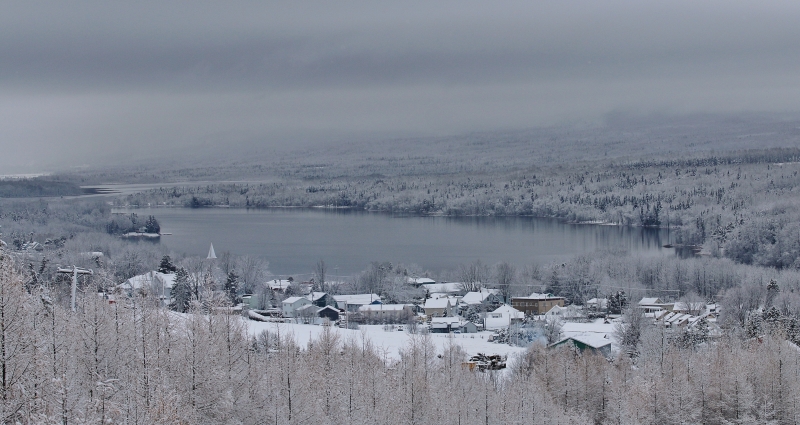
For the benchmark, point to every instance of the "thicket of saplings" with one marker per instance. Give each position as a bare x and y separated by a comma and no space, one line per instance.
133,362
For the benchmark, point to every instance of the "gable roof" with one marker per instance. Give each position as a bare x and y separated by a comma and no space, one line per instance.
313,308
539,297
594,341
314,296
279,285
419,281
649,301
438,303
327,307
509,311
444,287
150,278
292,300
478,297
357,299
383,307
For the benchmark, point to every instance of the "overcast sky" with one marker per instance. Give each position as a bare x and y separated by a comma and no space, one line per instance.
91,79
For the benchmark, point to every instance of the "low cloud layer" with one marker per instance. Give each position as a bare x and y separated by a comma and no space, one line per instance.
92,81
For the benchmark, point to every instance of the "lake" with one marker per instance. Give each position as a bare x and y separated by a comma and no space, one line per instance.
293,240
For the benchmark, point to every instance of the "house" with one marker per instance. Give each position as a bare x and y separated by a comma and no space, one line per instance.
536,304
451,288
593,343
452,324
439,307
675,320
351,303
306,314
484,297
386,313
279,285
32,246
502,317
650,305
159,284
597,304
292,304
329,313
417,281
310,314
249,301
321,299
570,312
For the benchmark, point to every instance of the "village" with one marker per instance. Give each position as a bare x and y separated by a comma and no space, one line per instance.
481,321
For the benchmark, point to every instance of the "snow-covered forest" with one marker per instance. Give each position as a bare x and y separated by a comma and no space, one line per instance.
131,362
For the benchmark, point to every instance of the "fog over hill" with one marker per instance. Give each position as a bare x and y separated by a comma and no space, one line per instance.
620,138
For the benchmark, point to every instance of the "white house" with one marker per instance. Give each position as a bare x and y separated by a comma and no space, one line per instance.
452,324
502,317
439,306
445,288
597,304
159,284
417,281
291,305
352,303
564,313
278,285
650,305
387,313
482,297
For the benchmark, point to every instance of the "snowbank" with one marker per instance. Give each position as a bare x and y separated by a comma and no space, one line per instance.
387,343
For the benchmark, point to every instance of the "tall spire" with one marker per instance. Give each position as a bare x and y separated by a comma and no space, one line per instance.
211,254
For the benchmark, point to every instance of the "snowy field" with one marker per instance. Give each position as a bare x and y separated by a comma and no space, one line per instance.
388,343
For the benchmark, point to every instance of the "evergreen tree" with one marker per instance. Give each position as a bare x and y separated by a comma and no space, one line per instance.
166,265
753,328
772,291
617,302
231,287
181,291
151,225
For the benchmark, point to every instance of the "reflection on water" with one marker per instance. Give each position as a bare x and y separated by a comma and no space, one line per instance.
293,240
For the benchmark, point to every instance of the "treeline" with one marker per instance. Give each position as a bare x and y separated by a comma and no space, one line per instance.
737,205
132,362
127,223
37,187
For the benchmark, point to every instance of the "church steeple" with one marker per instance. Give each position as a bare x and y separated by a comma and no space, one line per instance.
211,254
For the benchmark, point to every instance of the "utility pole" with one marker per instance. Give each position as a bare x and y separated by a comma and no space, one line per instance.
74,271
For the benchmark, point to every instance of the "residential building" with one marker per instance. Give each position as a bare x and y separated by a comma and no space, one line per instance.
292,304
592,343
321,299
417,281
351,303
386,313
452,324
502,317
439,307
155,283
487,298
536,304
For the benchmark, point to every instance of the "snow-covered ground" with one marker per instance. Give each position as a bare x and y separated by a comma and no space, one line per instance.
388,343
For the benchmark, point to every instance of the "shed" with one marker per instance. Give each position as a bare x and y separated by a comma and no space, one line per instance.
593,343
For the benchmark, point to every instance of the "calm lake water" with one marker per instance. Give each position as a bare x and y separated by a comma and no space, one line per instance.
293,240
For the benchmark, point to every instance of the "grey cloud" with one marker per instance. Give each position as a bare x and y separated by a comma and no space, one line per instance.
86,77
